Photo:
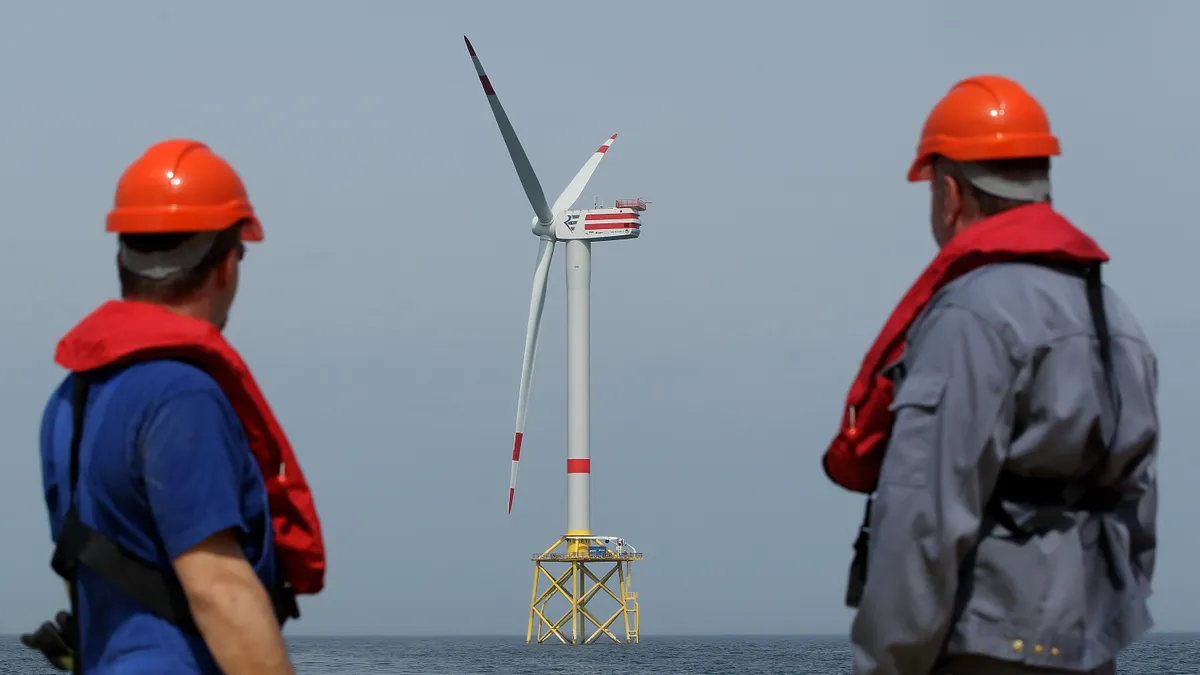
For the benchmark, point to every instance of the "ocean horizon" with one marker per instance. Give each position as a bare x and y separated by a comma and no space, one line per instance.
1158,653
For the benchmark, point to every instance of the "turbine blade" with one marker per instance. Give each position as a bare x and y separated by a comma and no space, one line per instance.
575,187
529,180
537,302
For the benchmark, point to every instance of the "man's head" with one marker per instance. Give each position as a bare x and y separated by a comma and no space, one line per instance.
193,273
181,214
964,193
985,149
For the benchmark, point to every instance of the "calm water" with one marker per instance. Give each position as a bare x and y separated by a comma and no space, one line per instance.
1164,654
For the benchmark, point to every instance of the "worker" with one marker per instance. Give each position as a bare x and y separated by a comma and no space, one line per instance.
183,524
1005,424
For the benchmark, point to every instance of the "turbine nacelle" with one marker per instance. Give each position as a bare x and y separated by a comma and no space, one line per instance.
612,224
598,224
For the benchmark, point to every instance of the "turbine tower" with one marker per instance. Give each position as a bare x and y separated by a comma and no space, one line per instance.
577,228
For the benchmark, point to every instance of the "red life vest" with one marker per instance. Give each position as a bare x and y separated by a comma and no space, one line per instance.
121,331
1035,232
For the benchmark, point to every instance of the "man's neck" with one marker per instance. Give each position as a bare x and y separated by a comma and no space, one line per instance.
196,309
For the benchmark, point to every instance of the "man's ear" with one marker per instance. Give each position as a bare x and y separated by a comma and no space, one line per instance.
952,199
225,273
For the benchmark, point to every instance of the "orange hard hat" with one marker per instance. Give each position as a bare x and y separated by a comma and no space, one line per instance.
181,185
981,118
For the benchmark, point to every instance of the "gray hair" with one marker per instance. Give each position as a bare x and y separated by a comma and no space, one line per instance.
1023,184
159,265
1000,184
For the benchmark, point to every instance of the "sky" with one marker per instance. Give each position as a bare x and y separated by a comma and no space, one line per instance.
384,314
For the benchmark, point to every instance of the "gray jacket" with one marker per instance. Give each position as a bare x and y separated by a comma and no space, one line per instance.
1002,371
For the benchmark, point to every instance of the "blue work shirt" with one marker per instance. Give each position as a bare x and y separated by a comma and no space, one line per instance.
164,464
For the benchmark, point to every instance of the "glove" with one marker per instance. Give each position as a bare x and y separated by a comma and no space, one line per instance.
55,640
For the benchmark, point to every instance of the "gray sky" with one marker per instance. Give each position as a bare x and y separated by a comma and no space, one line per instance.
385,312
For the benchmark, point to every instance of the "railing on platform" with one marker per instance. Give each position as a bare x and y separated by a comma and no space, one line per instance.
638,204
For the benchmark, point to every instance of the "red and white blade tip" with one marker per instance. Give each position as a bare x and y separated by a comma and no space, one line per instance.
516,457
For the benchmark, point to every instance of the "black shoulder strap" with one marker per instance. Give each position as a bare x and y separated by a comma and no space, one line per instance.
1095,297
857,581
79,394
79,544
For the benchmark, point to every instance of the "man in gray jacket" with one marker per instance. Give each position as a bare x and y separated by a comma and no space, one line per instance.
1012,526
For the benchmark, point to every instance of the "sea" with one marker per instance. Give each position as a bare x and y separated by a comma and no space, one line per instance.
1155,654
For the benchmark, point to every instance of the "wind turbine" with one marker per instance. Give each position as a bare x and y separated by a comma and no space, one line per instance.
577,228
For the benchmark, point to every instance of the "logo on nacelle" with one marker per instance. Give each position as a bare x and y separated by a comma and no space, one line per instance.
570,222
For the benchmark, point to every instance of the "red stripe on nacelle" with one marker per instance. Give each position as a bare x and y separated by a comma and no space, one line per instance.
579,466
612,226
609,216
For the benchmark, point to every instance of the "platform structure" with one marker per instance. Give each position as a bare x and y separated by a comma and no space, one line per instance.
586,565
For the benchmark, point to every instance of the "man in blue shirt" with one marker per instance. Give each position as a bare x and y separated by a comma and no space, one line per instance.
165,471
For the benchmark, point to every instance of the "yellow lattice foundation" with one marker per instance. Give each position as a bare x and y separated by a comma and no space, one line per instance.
577,585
